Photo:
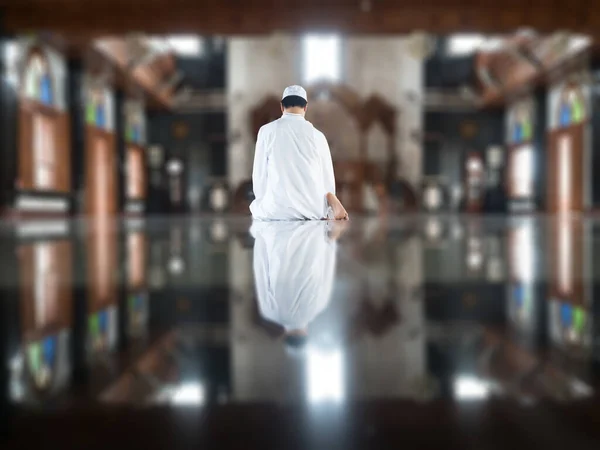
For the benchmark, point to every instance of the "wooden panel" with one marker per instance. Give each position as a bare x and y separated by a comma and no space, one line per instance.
25,180
136,260
59,175
101,265
63,147
45,292
565,188
136,172
266,16
101,172
567,280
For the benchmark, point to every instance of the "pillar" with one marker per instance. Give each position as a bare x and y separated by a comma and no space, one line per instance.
9,132
77,113
121,149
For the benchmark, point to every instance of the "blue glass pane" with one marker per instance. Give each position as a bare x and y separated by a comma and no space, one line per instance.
517,133
565,115
49,349
518,295
100,117
46,90
566,314
103,320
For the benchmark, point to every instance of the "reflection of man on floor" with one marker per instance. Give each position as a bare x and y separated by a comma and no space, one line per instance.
294,268
293,174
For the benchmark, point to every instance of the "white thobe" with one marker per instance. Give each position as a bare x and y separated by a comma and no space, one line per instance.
294,270
293,171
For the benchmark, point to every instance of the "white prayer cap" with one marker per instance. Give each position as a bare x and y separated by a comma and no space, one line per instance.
295,90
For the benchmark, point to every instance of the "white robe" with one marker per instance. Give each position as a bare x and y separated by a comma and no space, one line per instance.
294,270
293,171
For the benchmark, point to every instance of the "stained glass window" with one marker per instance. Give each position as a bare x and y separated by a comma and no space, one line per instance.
572,107
134,123
95,112
522,128
38,84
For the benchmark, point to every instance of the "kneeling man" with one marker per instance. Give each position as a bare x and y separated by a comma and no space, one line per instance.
293,174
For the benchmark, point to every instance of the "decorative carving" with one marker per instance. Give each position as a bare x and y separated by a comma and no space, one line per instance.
353,171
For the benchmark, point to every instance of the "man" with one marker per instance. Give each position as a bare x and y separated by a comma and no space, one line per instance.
293,174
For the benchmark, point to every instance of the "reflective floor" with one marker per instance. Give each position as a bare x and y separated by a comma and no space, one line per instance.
454,331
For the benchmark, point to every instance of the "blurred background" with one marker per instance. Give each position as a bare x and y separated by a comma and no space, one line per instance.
463,137
128,107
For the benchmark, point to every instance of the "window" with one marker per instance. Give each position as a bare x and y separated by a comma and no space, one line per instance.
95,112
321,58
37,79
467,44
522,172
186,45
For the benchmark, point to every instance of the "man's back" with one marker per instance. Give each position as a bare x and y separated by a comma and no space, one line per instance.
292,171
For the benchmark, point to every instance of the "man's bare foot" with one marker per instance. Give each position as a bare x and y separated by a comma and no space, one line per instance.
339,213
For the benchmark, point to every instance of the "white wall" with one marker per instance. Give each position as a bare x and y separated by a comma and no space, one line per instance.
257,67
261,66
383,66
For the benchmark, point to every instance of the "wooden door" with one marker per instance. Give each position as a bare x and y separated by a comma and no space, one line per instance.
101,173
46,277
565,170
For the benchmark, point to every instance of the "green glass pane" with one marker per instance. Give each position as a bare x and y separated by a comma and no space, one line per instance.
579,319
527,133
94,325
577,111
90,113
35,356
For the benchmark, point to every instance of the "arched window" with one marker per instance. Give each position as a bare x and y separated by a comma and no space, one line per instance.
95,112
37,78
571,110
522,124
134,125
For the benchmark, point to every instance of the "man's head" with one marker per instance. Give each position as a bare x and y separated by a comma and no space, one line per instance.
294,100
296,339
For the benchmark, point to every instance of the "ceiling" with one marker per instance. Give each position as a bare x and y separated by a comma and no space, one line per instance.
97,17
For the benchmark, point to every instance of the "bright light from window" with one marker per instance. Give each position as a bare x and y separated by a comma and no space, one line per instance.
565,256
188,394
464,44
185,45
471,388
523,171
524,262
579,42
321,58
325,375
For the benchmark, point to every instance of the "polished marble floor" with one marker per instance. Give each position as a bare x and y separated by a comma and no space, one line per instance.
455,331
